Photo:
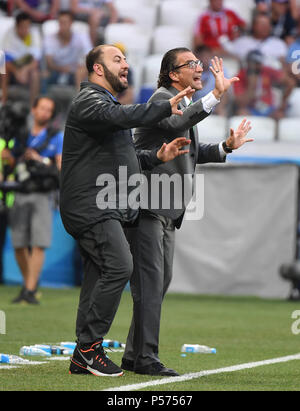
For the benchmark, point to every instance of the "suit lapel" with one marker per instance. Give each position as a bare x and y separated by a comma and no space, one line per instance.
182,105
193,131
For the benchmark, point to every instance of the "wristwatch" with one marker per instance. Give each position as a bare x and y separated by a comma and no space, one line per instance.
225,148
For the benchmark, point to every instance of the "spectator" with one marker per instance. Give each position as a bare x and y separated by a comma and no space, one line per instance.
283,22
254,94
215,22
31,215
65,53
208,81
273,49
293,56
96,13
23,52
39,10
265,6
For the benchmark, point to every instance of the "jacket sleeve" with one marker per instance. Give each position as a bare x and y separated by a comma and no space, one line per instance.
191,115
148,159
209,153
93,109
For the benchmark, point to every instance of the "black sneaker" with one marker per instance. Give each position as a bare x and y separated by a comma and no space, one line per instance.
26,296
92,359
157,369
19,297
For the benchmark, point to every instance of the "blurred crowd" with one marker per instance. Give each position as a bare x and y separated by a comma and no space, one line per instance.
266,52
42,49
43,44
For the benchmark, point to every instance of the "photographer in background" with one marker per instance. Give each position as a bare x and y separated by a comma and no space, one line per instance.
6,199
31,215
13,127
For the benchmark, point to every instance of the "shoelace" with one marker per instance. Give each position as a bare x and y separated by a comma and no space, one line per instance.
101,360
101,356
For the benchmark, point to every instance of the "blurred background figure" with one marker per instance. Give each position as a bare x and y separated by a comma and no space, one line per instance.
38,10
22,47
215,22
98,13
65,53
6,198
260,38
13,126
30,218
293,56
205,54
265,6
254,93
283,21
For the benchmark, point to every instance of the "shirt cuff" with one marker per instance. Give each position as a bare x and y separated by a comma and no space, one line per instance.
223,154
209,102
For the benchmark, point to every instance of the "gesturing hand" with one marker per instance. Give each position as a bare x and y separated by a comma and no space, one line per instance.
222,83
168,152
174,101
238,138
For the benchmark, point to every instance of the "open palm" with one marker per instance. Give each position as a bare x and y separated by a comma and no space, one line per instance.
222,84
239,137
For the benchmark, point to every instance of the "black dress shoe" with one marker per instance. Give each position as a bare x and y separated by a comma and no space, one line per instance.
158,369
127,365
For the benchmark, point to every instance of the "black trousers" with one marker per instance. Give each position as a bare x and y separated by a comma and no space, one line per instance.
107,267
152,247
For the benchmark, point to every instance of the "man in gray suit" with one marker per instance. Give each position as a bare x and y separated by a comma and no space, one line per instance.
152,241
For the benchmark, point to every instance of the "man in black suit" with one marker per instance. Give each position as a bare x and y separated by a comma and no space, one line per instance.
152,242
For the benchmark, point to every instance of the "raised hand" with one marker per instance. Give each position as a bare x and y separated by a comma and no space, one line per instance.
222,83
174,101
238,138
168,152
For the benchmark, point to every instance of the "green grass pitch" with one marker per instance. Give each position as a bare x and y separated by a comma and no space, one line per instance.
243,330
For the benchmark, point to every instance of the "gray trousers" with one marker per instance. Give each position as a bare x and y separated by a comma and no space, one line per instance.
152,248
107,266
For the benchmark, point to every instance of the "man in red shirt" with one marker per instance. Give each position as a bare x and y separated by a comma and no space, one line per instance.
215,22
254,92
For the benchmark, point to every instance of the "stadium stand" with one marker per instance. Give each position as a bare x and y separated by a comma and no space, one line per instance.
288,129
158,26
214,129
263,128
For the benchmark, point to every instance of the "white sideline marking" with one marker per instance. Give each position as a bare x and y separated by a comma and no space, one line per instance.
191,376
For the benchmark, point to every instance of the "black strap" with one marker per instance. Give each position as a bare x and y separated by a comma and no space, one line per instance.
51,132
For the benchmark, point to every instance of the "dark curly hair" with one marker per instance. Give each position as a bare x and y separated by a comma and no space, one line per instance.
168,63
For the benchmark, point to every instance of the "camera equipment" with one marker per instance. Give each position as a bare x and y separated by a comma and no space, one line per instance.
13,122
291,272
31,176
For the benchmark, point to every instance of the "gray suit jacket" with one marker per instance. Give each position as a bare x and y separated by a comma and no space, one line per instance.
165,131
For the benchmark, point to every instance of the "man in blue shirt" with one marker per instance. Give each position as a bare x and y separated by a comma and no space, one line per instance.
293,56
31,215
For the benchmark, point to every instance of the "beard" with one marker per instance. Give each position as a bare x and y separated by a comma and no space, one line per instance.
114,81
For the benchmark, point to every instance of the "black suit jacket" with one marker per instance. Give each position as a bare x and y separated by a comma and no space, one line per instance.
97,142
